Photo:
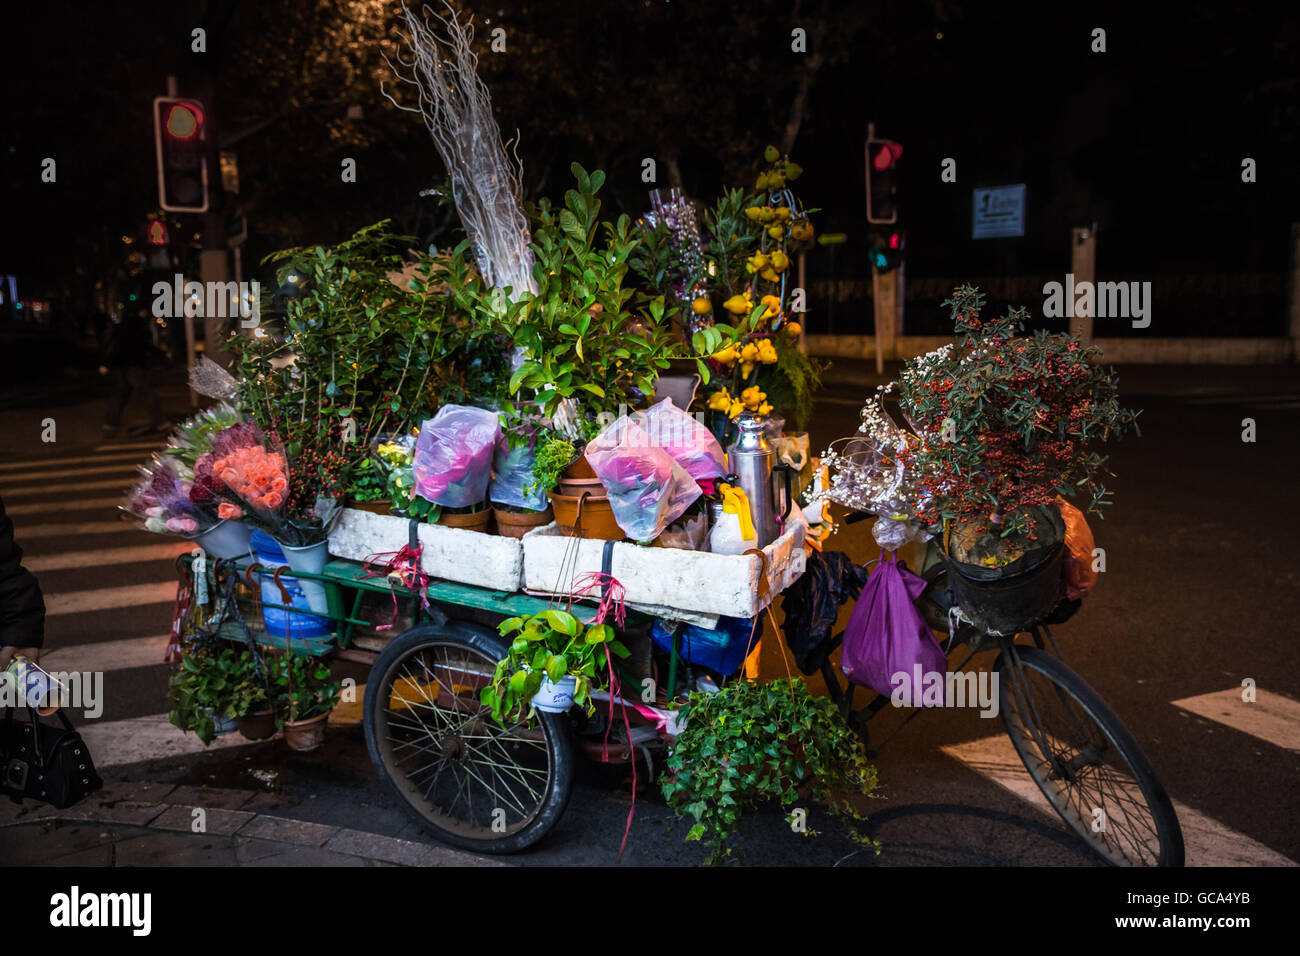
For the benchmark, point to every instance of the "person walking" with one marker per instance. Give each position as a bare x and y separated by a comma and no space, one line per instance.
128,356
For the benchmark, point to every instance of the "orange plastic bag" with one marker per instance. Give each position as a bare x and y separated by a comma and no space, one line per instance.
1079,544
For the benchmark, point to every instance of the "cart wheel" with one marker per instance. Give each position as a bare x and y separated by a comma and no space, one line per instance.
460,774
1086,762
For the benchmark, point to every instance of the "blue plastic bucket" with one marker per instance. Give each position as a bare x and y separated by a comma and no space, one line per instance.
300,626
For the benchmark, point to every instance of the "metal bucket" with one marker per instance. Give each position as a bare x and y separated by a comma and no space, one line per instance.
1008,600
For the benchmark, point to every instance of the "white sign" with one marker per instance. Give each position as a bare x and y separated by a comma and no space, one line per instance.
998,211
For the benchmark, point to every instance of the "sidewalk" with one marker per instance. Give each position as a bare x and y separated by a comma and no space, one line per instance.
141,824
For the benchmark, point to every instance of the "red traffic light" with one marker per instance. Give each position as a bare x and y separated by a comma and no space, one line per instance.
184,120
157,234
887,155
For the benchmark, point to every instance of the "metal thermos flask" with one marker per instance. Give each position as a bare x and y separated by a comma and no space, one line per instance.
751,459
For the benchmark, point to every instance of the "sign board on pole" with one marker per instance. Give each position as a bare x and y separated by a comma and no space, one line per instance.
998,211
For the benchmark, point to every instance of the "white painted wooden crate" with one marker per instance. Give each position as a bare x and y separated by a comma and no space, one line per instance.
692,586
451,554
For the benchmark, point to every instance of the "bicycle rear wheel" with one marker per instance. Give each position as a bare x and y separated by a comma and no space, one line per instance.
1085,761
457,772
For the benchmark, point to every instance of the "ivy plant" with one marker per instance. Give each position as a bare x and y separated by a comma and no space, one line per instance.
752,743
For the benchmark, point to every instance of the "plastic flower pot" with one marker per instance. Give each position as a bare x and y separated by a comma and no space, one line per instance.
516,524
222,725
227,538
1009,599
306,734
586,517
257,726
310,559
555,697
472,521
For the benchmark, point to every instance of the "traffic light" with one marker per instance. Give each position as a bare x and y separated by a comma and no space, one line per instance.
181,144
887,252
882,180
157,233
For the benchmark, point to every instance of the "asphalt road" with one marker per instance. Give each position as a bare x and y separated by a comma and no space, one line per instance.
1199,594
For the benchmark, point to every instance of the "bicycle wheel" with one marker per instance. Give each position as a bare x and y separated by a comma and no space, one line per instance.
461,775
1086,763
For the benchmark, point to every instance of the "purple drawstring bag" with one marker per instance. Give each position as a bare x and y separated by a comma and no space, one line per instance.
887,645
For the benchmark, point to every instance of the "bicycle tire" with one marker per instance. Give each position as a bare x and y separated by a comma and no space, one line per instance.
1050,769
510,753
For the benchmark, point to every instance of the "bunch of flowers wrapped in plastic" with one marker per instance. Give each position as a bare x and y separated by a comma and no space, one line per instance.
161,500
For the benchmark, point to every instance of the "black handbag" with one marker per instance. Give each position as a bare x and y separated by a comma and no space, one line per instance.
45,762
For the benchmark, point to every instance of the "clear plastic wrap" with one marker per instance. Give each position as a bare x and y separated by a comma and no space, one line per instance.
648,489
512,473
690,534
684,437
453,456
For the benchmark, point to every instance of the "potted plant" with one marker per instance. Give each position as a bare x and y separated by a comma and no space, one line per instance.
206,691
551,665
1006,423
305,693
519,502
752,743
254,714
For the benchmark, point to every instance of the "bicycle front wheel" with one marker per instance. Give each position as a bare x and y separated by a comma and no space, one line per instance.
1085,761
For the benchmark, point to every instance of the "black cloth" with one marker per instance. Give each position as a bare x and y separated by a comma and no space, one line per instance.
22,609
813,603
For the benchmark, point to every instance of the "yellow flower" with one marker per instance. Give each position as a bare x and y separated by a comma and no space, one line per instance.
773,304
720,401
779,260
735,410
767,352
746,368
765,409
726,356
757,262
739,304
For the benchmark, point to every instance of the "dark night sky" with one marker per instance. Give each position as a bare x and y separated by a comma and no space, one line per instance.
1146,139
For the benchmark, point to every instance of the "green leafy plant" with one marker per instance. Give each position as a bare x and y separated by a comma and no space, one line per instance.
584,340
210,683
752,743
303,687
551,644
1008,422
553,454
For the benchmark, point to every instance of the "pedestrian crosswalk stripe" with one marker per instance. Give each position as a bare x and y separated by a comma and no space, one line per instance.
63,489
124,468
1270,716
66,560
72,504
107,655
76,529
128,456
1208,842
107,599
116,742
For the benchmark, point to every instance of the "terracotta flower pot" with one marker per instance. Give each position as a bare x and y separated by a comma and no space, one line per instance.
516,524
473,521
579,468
374,507
594,514
574,487
306,734
257,726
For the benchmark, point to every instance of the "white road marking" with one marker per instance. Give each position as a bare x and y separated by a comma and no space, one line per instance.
125,468
123,483
130,456
104,556
107,655
29,532
106,599
1270,717
75,504
1208,842
117,742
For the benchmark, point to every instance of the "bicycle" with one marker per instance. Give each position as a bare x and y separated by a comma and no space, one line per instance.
1084,760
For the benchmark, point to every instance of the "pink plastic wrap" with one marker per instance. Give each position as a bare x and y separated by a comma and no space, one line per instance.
453,456
648,489
685,438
